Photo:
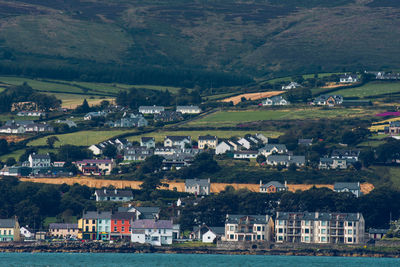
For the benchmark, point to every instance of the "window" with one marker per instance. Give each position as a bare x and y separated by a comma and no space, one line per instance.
231,237
323,223
93,228
280,230
123,229
115,228
263,228
122,221
349,239
280,238
231,228
87,228
99,221
307,231
106,228
280,222
87,221
323,239
323,231
306,238
258,237
258,228
307,223
115,222
93,221
349,223
154,238
350,232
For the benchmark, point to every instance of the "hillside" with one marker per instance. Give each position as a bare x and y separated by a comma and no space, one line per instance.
210,43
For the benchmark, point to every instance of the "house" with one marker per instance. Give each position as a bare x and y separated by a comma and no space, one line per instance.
262,137
168,116
393,128
96,149
144,212
121,225
348,187
113,195
9,230
207,234
208,141
39,161
348,78
63,230
177,161
153,232
148,142
38,128
290,86
346,154
286,160
12,129
248,228
332,163
70,123
188,109
223,147
96,114
87,226
27,233
245,154
328,100
319,227
275,101
31,113
177,141
197,186
270,149
245,142
305,142
103,225
137,153
129,122
272,187
236,146
95,166
377,234
151,109
119,143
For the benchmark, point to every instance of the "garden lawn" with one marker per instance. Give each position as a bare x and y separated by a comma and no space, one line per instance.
370,89
159,136
232,118
83,138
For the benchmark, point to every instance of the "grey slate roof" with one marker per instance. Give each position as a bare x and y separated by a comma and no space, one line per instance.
345,153
147,210
287,159
322,216
273,183
152,224
63,226
123,216
7,223
378,231
113,193
177,138
235,218
40,156
268,147
350,186
218,230
305,141
147,139
194,182
207,137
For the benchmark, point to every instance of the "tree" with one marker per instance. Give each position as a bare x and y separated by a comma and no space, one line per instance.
3,146
11,162
51,140
367,157
260,159
84,108
110,151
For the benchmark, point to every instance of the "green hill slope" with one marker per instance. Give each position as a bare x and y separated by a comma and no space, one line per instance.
211,43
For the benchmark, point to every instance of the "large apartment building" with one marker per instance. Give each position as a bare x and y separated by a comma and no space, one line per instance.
318,227
248,228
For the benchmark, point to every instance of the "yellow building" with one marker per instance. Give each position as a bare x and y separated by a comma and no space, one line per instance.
208,141
9,230
87,226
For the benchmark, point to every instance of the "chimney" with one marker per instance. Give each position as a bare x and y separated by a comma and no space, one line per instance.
115,191
358,184
105,191
209,181
260,183
285,184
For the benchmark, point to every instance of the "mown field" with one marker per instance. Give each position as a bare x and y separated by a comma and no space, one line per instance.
159,136
370,89
83,138
231,118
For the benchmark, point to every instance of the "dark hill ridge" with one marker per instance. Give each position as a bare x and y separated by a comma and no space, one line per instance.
175,38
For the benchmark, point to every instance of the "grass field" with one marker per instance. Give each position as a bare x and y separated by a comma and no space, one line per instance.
83,138
159,136
391,173
371,89
17,153
231,118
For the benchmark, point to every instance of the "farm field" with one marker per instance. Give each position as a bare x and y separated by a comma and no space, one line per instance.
231,118
159,136
18,153
371,89
71,101
83,138
252,96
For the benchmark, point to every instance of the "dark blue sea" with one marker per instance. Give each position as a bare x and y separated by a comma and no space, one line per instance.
186,260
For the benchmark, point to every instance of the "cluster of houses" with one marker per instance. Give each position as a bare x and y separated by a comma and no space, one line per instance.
27,109
22,127
339,159
381,75
160,109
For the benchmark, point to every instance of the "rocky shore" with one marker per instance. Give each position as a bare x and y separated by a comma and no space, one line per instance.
97,247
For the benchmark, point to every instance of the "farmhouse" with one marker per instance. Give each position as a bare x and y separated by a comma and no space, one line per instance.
290,86
270,149
348,78
393,128
148,142
95,166
328,100
188,109
272,187
92,115
39,161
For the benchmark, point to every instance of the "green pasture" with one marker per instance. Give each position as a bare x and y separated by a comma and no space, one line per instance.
159,136
18,153
83,138
370,89
231,118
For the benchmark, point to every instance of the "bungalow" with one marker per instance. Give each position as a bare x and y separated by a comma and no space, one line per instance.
275,101
148,142
63,230
245,154
208,141
9,230
151,109
92,115
137,153
272,187
153,232
377,234
348,187
348,78
188,109
290,86
207,234
198,186
286,160
113,195
168,116
223,147
328,100
39,161
31,113
248,228
95,166
12,129
270,149
177,141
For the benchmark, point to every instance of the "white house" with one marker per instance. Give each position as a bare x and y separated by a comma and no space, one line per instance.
26,232
113,195
178,141
96,114
275,101
96,149
290,86
153,232
270,149
197,186
348,187
207,234
245,154
244,142
348,78
37,160
223,147
151,109
188,109
148,142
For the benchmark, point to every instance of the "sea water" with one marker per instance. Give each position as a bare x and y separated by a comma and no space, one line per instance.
186,260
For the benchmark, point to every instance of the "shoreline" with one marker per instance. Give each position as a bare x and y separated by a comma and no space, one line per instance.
78,247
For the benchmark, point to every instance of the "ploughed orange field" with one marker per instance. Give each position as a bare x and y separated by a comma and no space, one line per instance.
251,96
180,186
